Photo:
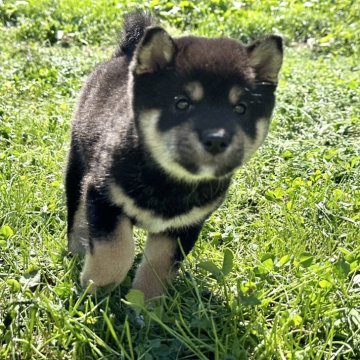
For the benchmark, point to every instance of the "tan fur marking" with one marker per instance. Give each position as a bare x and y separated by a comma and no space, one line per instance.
111,258
155,270
195,91
144,64
163,148
159,51
234,95
266,59
250,146
149,220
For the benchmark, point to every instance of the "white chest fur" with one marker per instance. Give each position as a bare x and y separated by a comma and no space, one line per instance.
155,223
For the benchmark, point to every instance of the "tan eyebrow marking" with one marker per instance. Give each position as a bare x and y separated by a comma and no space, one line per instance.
194,90
234,94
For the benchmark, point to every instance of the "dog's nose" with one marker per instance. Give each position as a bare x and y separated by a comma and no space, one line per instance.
215,141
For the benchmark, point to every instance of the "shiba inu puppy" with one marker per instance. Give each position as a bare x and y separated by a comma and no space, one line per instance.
158,132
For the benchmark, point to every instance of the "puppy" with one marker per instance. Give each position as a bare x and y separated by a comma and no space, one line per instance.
157,135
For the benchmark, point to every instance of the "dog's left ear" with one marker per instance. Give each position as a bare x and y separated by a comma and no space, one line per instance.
266,58
155,51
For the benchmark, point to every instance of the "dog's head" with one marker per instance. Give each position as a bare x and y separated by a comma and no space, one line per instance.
203,106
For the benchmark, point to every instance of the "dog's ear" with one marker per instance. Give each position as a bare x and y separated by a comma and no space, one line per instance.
266,58
155,51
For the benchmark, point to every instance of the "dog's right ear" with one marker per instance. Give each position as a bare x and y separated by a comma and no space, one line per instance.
155,51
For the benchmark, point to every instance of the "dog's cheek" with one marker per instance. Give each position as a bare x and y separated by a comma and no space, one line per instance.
153,139
162,145
251,145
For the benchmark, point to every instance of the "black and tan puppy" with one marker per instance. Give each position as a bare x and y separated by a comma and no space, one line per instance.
158,133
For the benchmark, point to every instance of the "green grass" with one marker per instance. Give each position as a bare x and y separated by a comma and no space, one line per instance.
276,272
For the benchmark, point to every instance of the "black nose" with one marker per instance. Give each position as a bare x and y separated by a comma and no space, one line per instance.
215,141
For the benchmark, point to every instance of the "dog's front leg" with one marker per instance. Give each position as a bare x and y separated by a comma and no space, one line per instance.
163,253
111,249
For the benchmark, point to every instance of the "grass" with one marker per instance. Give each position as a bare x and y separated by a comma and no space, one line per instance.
276,272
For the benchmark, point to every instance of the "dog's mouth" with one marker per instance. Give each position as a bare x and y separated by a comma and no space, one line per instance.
182,154
209,169
203,160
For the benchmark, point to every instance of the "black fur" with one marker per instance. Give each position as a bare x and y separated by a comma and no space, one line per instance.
136,154
101,214
186,239
147,185
73,182
135,24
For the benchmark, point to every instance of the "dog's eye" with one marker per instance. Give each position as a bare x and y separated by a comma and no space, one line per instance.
240,109
182,103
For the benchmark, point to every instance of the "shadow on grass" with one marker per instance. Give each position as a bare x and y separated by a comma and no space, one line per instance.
189,322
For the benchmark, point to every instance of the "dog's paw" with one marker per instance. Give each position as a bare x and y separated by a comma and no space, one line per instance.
101,271
75,246
91,288
94,278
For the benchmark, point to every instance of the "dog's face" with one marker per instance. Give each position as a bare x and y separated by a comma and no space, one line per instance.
203,106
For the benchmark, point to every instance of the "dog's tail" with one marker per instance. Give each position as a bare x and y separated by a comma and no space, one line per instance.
134,27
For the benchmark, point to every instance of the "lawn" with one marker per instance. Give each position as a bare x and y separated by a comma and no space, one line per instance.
276,271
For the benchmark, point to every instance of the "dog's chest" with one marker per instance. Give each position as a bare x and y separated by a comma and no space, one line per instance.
161,214
155,201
